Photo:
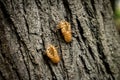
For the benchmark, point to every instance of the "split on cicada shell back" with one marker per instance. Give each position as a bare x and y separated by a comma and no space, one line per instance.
52,53
65,30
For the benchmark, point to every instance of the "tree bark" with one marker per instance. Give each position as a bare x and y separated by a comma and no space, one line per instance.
28,26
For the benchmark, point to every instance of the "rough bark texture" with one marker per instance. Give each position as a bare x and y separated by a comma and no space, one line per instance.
28,26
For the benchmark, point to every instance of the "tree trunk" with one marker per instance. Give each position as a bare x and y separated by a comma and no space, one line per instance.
28,26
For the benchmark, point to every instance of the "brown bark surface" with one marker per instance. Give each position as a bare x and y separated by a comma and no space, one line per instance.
28,26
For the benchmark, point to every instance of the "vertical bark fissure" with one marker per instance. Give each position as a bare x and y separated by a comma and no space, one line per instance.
20,42
1,76
83,38
2,52
24,45
106,64
26,65
38,3
8,64
87,8
103,58
84,63
23,2
101,52
5,52
93,5
52,72
80,30
7,56
26,23
13,28
68,10
100,49
91,52
42,36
